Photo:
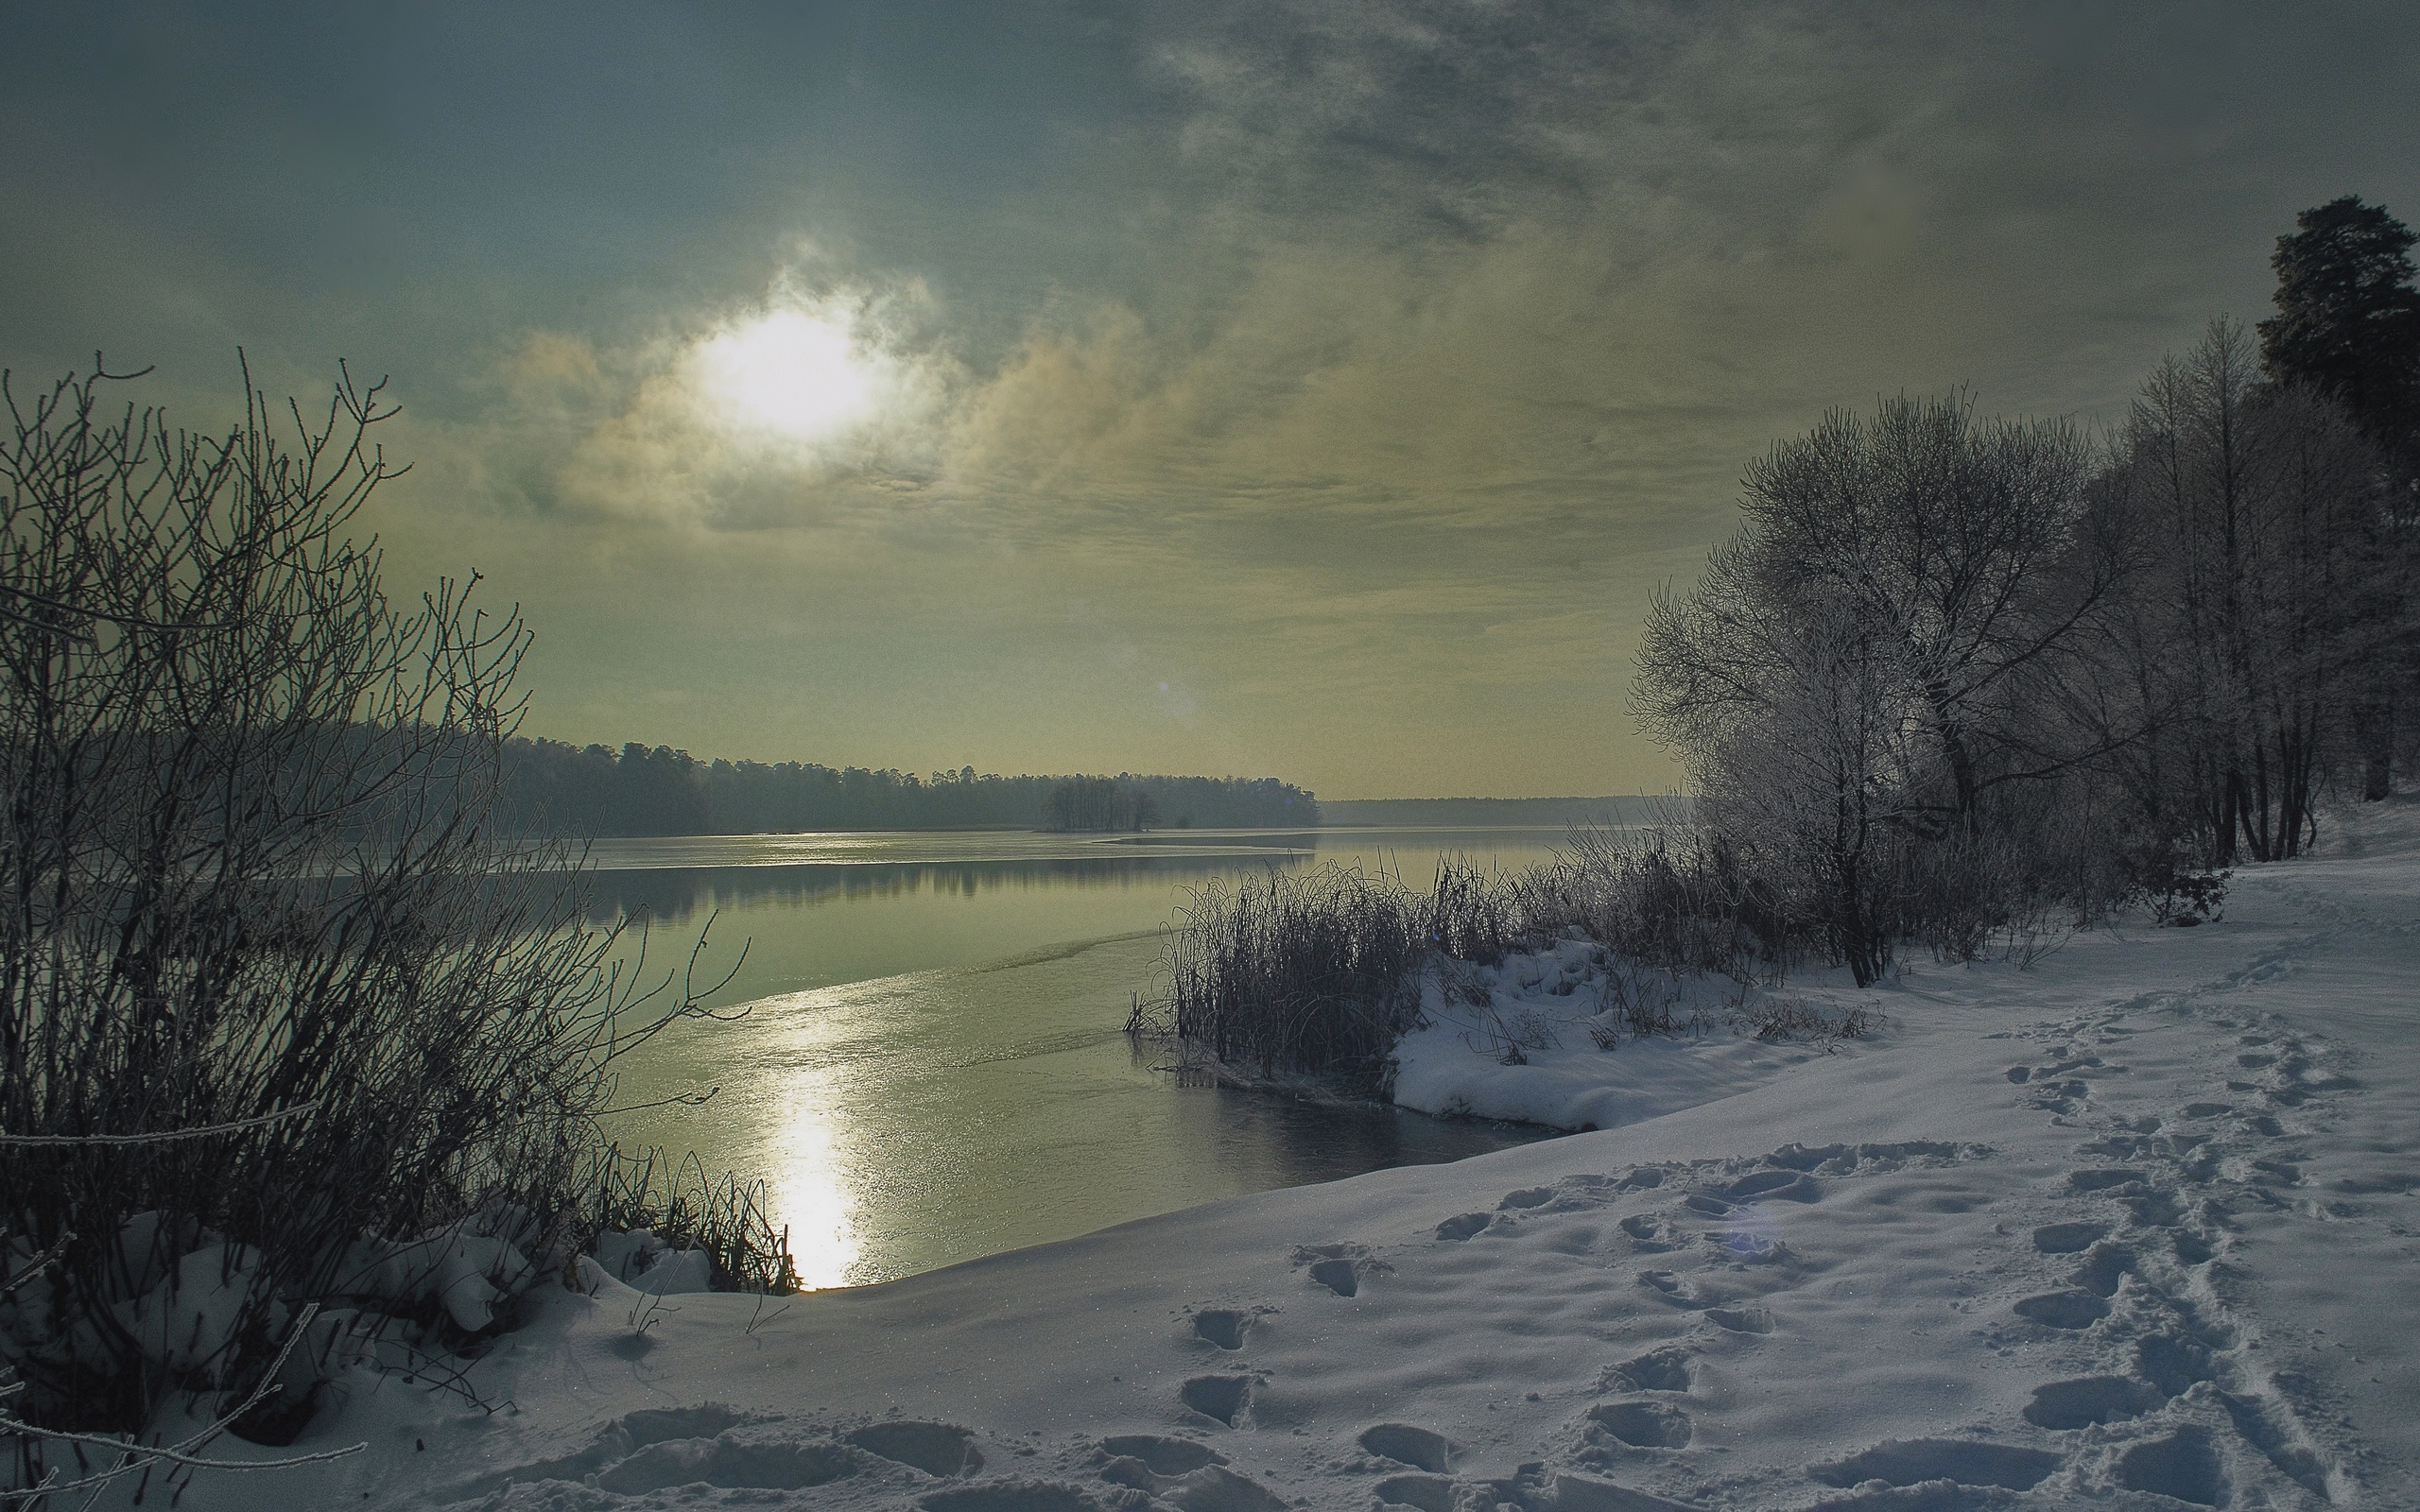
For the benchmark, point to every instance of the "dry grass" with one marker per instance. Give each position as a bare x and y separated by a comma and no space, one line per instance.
687,1209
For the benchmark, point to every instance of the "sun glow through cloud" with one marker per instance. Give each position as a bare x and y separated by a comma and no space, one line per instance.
800,373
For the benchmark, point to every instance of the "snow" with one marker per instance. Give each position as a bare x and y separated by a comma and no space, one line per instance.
2132,1229
1519,1040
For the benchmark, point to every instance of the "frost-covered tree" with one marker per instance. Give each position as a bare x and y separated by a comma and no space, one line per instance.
2348,327
1885,649
2267,598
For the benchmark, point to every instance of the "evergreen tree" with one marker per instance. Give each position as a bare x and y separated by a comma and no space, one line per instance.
2348,320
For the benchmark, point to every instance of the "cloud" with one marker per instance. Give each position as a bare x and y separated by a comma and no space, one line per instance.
800,407
1397,352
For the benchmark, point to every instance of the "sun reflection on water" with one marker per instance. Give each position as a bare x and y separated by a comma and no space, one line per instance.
809,1197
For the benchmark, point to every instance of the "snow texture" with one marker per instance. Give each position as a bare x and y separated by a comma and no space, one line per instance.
2132,1229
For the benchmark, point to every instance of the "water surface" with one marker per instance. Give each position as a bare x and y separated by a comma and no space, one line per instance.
929,1064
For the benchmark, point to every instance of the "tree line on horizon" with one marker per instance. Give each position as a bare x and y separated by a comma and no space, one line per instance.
1952,666
597,791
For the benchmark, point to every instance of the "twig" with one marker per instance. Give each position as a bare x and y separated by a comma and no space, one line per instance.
676,1100
134,1456
34,1266
204,1131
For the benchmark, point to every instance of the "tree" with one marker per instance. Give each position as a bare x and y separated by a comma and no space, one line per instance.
2255,622
2348,326
1100,803
1791,717
1879,652
2348,320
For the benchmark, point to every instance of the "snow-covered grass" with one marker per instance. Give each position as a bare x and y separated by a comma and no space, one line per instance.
2132,1229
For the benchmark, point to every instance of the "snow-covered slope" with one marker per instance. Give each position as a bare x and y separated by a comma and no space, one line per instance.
2131,1228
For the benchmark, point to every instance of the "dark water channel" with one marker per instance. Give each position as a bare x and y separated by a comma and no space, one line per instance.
931,1065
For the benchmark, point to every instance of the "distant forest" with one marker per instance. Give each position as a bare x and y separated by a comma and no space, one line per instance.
594,790
1453,812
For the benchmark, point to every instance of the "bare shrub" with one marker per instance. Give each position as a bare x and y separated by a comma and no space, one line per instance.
251,892
1668,897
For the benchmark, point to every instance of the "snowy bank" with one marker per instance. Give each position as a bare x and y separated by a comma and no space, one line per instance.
1540,1038
2135,1229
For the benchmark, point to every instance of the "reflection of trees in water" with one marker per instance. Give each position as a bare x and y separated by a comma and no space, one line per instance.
673,895
1301,1142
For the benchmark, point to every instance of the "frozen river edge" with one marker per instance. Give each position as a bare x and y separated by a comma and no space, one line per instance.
2134,1228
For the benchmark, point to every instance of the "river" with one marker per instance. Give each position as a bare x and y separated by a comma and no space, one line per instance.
922,1054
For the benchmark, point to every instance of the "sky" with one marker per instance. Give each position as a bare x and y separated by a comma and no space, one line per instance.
1312,389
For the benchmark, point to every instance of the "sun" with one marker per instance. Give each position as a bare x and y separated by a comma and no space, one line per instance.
799,372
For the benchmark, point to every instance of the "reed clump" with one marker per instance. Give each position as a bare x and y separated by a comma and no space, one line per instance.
1294,972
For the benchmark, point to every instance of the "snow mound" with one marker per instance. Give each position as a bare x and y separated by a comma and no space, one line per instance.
1548,1037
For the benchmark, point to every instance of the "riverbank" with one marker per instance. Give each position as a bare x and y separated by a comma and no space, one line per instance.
2134,1227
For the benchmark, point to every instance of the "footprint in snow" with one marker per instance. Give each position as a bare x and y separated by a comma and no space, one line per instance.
2070,1310
1664,1369
1677,1290
1641,1424
1426,1493
2059,1097
2182,1466
2114,1146
732,1464
1222,1397
1742,1319
1464,1225
1408,1445
1019,1496
2103,1267
1182,1473
2102,1179
1650,1232
2172,1364
2091,1401
937,1448
1159,1454
2155,1210
1340,1268
1775,1186
1222,1326
1961,1461
2277,1172
657,1448
2068,1238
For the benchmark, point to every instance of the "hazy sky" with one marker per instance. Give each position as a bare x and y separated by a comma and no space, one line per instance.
1307,390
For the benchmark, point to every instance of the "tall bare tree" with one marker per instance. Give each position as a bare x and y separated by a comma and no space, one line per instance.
2257,620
